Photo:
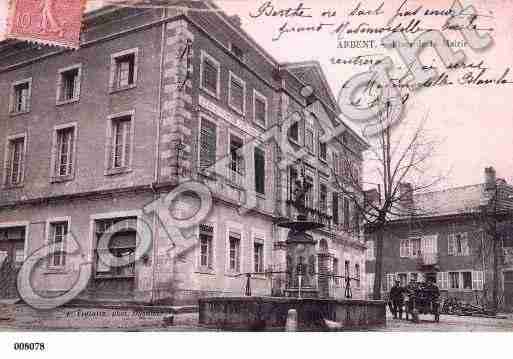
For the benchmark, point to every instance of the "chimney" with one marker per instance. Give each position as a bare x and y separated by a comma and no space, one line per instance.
235,19
490,179
406,196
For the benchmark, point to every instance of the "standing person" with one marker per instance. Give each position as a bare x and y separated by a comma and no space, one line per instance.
410,292
396,296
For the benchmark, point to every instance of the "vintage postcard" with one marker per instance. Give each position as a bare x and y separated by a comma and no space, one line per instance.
231,165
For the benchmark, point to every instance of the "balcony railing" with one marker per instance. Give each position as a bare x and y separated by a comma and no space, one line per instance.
312,214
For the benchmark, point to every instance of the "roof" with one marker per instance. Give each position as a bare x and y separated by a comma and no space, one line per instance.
450,201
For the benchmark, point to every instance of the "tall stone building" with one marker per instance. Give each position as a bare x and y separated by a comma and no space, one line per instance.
451,242
94,138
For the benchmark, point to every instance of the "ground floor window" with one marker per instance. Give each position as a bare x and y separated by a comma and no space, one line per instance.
454,280
467,280
206,238
122,244
259,256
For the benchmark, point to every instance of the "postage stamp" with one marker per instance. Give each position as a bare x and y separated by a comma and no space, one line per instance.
49,22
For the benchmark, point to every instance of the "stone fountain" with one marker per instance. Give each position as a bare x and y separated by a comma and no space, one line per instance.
301,293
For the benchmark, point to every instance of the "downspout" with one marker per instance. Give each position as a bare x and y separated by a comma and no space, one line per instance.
157,157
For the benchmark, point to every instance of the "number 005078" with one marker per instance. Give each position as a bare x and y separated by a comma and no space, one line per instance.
29,346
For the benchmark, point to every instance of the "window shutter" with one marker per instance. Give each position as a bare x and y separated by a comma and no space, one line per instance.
71,154
334,207
127,142
445,280
259,171
208,139
110,146
8,165
401,248
450,244
466,246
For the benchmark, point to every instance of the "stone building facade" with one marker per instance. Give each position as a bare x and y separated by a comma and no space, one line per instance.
152,99
452,243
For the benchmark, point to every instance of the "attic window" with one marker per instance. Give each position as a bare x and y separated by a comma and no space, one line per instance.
237,51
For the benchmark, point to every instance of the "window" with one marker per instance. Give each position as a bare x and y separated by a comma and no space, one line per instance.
294,132
63,151
309,197
259,171
260,109
206,238
323,151
208,139
69,84
458,245
20,97
454,280
467,280
357,274
478,280
258,249
123,69
415,247
347,273
346,213
14,237
237,51
58,232
237,94
404,249
120,144
15,161
334,207
309,140
336,279
403,279
323,198
210,72
236,160
234,240
121,244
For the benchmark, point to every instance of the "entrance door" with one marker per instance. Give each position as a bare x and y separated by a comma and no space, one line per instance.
12,247
508,289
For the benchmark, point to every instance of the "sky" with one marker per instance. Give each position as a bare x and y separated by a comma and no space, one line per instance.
474,125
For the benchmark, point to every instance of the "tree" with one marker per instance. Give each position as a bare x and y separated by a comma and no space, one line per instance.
399,158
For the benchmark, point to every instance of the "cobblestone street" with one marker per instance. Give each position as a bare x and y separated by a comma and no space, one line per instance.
450,323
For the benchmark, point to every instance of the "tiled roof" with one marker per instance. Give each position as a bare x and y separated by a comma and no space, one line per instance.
450,201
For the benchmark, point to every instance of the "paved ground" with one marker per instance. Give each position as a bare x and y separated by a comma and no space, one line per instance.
189,322
451,323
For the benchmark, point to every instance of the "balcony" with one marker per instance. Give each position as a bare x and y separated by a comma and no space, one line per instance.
427,259
312,214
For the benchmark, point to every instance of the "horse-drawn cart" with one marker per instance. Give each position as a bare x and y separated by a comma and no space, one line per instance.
422,299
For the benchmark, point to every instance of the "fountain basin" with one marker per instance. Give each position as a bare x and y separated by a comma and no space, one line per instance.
270,313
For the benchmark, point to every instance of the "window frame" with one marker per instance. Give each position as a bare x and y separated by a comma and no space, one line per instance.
203,116
12,99
54,155
7,153
48,226
26,226
212,268
258,237
60,75
259,96
235,228
204,55
236,177
109,143
231,77
263,150
113,88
